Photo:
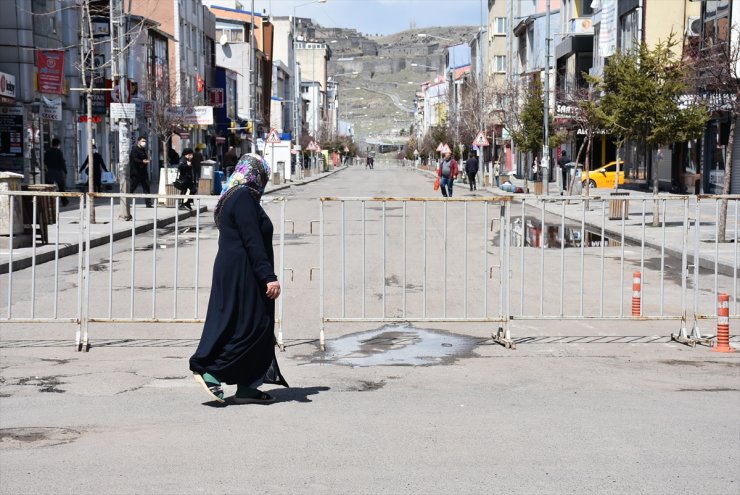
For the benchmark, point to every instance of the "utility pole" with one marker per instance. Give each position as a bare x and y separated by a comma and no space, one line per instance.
481,103
118,65
87,69
253,74
545,162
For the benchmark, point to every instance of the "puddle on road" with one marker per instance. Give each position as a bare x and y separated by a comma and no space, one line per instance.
401,345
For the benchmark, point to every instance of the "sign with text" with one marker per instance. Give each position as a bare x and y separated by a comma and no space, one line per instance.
201,115
11,132
122,111
50,66
51,109
7,85
216,97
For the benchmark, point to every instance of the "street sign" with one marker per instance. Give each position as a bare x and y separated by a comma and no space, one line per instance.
273,137
439,148
312,146
480,140
445,149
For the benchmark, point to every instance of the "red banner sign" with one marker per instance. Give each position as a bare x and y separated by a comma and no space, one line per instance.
50,65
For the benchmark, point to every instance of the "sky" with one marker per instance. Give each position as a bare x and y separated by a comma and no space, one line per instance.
379,16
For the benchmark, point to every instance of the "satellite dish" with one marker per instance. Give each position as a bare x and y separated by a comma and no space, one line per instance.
223,39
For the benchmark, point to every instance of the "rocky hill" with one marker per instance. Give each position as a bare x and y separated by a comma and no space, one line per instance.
379,75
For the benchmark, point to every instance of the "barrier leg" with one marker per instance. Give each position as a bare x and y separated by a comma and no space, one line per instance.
503,337
682,335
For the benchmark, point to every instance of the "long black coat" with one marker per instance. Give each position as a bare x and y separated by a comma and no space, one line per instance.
238,341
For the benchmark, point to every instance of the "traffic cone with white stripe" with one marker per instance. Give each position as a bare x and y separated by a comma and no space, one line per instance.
636,294
723,324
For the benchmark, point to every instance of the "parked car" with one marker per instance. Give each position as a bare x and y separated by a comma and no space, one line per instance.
604,176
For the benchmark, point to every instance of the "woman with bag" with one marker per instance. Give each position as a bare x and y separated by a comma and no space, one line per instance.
238,341
185,182
98,169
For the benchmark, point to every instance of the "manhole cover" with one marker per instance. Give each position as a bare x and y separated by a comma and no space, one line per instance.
24,438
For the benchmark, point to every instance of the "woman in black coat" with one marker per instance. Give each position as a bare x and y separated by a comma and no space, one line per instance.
238,341
185,177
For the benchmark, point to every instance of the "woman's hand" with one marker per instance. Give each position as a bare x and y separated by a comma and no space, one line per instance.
273,289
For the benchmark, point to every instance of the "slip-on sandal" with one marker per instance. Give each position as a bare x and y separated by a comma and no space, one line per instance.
262,398
214,389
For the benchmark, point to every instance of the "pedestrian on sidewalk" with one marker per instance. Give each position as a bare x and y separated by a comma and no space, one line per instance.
562,162
471,169
56,168
97,169
447,171
139,169
497,172
197,159
230,161
185,182
238,341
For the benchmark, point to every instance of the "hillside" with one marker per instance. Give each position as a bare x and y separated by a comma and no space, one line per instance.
389,69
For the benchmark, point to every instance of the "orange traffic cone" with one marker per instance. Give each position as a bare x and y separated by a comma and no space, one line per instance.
636,294
723,324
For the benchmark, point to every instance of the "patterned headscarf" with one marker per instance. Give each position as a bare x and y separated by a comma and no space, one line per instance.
252,172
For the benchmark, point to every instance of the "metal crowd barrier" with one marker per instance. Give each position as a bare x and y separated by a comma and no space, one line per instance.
494,260
555,258
160,279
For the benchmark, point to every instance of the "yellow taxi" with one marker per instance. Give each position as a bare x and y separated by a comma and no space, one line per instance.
604,176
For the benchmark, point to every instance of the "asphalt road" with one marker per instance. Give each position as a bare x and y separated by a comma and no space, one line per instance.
581,406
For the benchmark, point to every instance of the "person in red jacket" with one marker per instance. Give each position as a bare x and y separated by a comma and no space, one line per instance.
447,171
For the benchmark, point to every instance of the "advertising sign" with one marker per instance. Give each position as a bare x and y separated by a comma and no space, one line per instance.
201,115
122,111
11,132
7,85
608,30
50,66
51,109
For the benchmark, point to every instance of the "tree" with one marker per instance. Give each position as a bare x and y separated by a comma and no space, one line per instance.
642,101
588,117
716,77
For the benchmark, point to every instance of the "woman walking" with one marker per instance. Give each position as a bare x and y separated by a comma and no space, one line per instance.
238,341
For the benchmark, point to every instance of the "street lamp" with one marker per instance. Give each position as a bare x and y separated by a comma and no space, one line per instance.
297,84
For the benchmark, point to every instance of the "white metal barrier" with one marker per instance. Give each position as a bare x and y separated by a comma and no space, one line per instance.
158,278
491,260
554,258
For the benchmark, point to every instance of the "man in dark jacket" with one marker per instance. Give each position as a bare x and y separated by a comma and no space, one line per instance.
56,168
98,167
562,162
471,168
138,165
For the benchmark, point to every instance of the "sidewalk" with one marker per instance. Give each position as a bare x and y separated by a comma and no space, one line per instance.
67,233
727,255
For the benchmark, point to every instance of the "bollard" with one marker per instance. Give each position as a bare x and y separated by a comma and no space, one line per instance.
723,324
636,294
